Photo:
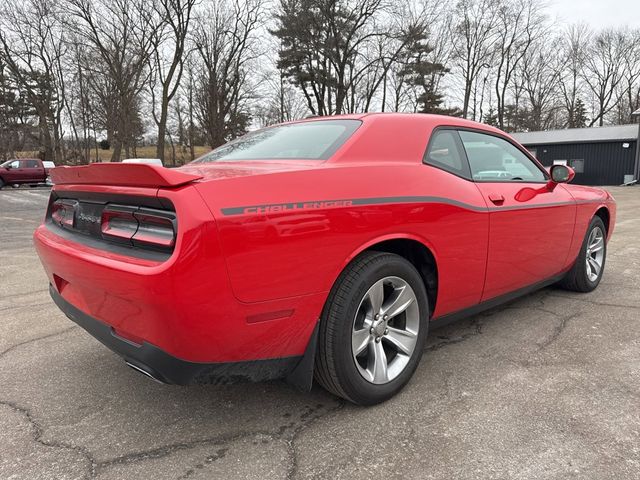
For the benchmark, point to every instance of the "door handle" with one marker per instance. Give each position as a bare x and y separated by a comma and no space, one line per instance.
496,198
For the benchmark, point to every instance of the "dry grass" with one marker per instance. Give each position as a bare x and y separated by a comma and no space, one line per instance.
182,154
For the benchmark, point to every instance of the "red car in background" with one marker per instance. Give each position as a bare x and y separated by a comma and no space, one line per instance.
24,171
315,249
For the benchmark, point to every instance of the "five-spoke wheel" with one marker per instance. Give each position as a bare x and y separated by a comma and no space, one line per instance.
373,329
385,330
586,273
595,253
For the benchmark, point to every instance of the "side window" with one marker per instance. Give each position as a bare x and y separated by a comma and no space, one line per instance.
31,163
15,164
494,159
445,152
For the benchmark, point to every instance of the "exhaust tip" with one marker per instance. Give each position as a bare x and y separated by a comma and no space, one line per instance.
145,372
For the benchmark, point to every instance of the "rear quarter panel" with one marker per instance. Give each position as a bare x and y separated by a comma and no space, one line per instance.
273,251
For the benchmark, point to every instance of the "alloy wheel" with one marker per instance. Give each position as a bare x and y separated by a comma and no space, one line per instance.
595,254
385,330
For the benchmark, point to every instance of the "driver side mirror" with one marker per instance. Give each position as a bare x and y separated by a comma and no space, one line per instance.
560,174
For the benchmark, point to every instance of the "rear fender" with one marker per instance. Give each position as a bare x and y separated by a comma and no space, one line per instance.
384,238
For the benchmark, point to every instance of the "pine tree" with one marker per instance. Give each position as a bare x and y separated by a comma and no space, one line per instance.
578,117
424,75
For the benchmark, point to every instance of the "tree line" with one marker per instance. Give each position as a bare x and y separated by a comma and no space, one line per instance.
80,75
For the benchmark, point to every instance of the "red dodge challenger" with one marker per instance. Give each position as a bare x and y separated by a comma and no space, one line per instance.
315,249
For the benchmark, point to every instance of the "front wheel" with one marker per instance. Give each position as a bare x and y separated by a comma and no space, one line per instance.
586,273
2,184
373,329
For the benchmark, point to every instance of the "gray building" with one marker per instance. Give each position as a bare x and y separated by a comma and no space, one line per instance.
600,155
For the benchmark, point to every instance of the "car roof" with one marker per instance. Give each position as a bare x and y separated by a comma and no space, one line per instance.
392,137
422,118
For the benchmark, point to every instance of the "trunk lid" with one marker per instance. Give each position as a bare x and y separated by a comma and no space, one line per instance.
221,170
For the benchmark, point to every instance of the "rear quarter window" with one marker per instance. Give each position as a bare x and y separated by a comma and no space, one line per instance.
445,152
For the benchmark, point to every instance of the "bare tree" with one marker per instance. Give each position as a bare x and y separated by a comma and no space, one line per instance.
379,56
118,38
225,40
168,51
571,85
519,24
415,47
32,47
629,87
541,70
183,109
473,35
79,100
603,72
281,101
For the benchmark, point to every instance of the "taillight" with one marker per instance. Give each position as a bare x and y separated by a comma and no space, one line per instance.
118,224
154,229
139,226
63,212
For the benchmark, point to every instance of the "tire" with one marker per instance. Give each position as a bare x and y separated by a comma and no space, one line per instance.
2,184
348,319
583,277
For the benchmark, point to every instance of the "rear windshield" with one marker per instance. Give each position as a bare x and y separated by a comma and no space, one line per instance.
300,141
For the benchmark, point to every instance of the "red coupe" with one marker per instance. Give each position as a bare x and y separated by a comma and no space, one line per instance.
315,249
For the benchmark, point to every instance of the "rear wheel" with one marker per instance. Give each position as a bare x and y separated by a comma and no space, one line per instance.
586,273
373,329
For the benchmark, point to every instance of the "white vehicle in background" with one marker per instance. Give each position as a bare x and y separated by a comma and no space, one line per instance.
148,161
493,174
48,166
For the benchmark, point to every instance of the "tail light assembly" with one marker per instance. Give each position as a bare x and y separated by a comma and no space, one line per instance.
140,227
63,213
143,231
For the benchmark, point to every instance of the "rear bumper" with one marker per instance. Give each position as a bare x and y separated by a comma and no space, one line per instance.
161,366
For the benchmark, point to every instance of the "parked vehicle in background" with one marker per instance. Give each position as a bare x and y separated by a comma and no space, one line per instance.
25,171
316,249
147,161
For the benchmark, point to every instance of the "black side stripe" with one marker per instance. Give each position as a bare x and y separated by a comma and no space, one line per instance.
323,204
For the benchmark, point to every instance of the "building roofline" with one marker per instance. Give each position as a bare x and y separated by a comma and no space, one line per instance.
608,134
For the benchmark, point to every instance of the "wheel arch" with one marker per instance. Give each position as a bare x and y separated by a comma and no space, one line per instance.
419,252
605,216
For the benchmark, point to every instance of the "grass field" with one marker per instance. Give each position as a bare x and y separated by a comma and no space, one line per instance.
182,155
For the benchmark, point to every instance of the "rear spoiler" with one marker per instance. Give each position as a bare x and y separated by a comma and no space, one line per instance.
122,174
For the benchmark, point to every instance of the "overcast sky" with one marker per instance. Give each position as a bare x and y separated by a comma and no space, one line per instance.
597,13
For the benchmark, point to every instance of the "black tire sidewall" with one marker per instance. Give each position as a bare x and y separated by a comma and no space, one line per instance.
355,386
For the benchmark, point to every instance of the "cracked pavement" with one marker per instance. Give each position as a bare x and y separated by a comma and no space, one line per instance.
545,387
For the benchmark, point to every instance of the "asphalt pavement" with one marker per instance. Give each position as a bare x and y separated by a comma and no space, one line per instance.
546,387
